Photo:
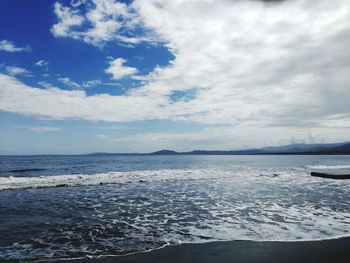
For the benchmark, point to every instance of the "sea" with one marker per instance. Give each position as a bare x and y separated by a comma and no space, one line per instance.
67,207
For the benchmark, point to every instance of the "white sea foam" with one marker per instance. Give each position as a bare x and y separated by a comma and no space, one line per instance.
245,174
10,183
173,206
329,166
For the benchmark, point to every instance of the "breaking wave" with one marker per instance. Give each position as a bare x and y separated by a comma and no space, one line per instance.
329,166
117,213
11,182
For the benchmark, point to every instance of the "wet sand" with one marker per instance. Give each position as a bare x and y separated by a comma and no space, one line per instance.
334,251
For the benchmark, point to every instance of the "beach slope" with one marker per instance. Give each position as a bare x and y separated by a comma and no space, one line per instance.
335,250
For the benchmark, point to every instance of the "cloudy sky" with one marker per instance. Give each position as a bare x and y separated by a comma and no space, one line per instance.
136,76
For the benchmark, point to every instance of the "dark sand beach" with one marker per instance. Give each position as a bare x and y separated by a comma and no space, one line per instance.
334,250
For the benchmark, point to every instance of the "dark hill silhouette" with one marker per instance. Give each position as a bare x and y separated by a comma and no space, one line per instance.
293,149
300,149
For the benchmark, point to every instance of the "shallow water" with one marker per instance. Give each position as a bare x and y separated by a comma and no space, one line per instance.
124,204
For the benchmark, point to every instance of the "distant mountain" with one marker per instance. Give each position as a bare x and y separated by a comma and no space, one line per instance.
340,149
345,148
235,152
329,148
107,154
164,152
300,147
205,152
99,153
296,149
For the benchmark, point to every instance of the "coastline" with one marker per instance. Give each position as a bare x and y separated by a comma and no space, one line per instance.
330,250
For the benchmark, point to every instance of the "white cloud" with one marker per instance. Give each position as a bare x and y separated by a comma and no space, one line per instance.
46,84
102,20
252,61
76,3
40,128
91,83
75,104
67,19
119,70
13,70
67,81
42,63
9,46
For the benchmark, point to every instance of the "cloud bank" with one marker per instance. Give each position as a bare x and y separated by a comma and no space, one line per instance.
251,64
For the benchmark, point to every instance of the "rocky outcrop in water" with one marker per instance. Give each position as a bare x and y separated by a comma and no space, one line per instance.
331,176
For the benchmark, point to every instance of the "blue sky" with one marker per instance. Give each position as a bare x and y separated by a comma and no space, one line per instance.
136,76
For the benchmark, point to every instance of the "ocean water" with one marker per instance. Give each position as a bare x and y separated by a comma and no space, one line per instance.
90,206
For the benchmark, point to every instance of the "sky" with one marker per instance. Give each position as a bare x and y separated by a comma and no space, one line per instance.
80,76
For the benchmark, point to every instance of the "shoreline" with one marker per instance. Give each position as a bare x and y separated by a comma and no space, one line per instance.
240,251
